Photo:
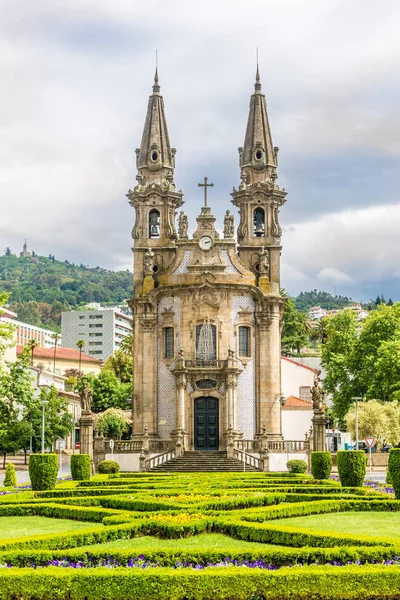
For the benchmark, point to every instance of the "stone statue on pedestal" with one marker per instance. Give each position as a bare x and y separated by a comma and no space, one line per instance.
317,396
264,261
183,225
148,262
229,224
86,397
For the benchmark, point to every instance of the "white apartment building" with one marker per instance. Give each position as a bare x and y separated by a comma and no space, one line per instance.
101,329
26,332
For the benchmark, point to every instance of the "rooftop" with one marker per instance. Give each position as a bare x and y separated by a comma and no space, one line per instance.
61,354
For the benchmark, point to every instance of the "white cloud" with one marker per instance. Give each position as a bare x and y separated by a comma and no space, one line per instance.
332,275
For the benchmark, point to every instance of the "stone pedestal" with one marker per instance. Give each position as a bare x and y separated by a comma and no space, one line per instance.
86,423
319,431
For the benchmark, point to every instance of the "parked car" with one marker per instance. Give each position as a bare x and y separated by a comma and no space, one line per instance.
386,448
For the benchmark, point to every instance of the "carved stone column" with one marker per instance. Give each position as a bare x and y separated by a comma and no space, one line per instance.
319,431
86,423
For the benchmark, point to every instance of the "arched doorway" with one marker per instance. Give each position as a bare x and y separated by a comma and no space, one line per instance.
206,426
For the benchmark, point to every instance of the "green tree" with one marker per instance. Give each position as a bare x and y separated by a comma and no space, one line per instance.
58,421
112,423
121,365
8,251
336,357
108,392
318,331
380,420
80,344
127,344
295,329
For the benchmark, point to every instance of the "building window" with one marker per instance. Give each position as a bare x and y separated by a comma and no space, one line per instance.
244,341
154,223
169,342
206,342
259,222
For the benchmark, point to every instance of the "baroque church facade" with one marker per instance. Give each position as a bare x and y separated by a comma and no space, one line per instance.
207,308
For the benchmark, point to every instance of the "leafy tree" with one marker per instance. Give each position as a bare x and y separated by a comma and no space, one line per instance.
58,421
336,355
121,365
295,329
305,300
8,251
108,392
318,331
127,346
380,420
112,423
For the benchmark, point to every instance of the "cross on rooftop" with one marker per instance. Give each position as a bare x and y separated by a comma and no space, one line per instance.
205,185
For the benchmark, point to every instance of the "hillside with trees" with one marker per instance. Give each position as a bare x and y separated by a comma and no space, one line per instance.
40,288
305,300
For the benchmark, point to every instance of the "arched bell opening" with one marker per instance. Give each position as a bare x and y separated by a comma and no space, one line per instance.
154,223
259,222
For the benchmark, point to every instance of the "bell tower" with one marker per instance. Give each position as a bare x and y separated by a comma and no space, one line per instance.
259,198
154,198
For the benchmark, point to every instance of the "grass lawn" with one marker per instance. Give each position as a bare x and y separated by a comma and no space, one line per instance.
385,524
11,527
202,542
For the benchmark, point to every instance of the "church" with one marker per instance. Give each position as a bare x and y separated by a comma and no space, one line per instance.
207,307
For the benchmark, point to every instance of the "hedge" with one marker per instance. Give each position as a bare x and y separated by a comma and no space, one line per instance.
43,469
296,466
10,479
351,467
322,582
108,466
321,465
394,470
80,467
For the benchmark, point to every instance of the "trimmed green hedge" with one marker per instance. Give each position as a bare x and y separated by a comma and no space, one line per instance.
321,465
10,480
372,582
80,467
351,467
108,467
43,469
394,470
296,466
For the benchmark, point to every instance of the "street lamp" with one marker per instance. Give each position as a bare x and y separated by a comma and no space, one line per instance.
44,403
357,398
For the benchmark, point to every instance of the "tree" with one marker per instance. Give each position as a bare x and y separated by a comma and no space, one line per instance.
8,251
32,345
126,345
112,423
121,365
318,331
380,420
56,337
80,344
58,421
336,354
365,364
295,328
108,392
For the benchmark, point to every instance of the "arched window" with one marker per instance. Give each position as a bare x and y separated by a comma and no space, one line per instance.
259,222
244,341
154,223
206,343
169,350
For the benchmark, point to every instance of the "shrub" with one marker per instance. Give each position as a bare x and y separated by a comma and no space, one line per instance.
351,467
43,470
394,470
80,467
321,465
108,466
10,479
296,466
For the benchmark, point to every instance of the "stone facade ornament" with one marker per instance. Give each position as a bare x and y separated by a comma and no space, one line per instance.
264,261
229,225
317,395
183,225
148,262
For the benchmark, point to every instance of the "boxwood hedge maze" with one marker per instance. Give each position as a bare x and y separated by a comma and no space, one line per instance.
200,536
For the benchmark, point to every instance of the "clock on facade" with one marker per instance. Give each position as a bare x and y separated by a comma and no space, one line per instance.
205,242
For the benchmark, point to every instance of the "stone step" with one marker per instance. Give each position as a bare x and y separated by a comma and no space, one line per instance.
203,461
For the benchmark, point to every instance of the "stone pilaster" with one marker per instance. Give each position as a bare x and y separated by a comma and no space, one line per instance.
86,423
319,431
268,370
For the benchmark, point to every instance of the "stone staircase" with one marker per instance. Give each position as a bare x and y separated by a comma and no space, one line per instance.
197,461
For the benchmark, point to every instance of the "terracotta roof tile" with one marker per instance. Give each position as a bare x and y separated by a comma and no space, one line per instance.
298,403
61,354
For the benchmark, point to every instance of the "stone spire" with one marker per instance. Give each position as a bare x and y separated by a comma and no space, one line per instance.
155,159
258,156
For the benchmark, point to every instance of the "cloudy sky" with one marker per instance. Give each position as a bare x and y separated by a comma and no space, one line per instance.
75,78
